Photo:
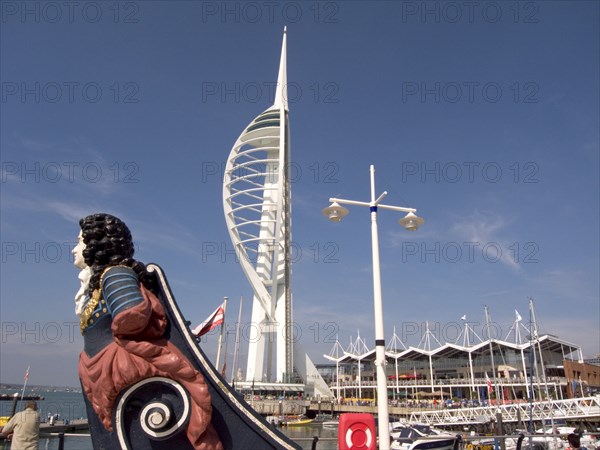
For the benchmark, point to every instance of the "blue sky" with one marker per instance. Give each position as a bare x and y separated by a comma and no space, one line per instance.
483,116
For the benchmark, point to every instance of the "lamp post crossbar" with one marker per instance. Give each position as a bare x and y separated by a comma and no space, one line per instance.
358,203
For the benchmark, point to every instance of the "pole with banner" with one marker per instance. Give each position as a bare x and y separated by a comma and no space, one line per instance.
25,382
221,334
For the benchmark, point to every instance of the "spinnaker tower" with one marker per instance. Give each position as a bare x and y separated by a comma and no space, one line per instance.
257,206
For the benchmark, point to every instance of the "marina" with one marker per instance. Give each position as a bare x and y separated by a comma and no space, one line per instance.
151,374
320,437
582,414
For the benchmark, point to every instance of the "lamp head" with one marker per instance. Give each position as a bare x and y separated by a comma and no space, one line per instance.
411,221
335,212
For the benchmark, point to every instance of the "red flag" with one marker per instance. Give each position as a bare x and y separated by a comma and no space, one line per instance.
26,374
215,319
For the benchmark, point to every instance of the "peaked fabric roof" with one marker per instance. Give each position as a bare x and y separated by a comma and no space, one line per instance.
546,342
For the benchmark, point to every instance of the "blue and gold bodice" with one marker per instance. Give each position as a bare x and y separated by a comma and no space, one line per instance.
119,291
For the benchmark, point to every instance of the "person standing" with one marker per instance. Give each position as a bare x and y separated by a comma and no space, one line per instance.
575,442
25,428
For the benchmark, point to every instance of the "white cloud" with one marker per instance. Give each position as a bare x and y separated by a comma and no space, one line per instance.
486,229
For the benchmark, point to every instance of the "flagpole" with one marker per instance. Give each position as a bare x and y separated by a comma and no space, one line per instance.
25,382
224,368
237,342
221,335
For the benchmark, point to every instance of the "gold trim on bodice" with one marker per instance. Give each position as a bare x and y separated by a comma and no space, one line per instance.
89,308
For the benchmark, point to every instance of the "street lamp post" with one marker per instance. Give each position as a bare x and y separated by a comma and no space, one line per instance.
335,212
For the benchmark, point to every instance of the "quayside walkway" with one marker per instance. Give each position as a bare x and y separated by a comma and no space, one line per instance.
586,408
572,411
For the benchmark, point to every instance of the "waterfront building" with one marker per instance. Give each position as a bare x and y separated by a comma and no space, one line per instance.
595,361
477,372
583,378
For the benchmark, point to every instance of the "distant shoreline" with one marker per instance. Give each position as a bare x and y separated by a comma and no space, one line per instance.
34,387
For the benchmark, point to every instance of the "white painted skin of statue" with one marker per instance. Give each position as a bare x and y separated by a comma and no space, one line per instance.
78,252
84,276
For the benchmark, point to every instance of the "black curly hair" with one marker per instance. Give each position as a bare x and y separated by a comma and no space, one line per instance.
108,243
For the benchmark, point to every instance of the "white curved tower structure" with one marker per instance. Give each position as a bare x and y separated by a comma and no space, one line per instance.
257,206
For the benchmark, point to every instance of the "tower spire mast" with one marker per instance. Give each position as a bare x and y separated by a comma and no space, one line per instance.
281,98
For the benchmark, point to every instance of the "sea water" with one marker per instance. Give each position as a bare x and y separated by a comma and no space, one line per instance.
70,405
304,436
67,405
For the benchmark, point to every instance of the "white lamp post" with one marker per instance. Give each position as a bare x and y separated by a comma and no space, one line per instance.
411,222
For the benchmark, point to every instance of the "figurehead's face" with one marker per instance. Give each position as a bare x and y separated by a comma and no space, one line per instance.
78,252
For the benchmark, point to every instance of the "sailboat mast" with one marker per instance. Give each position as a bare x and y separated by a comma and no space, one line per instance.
468,345
537,338
487,324
532,364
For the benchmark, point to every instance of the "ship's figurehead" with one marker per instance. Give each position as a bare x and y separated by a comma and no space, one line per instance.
146,382
123,326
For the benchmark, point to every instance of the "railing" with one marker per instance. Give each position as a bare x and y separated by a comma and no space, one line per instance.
578,408
472,442
61,437
450,382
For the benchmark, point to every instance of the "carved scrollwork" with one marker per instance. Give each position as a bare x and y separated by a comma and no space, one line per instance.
154,409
